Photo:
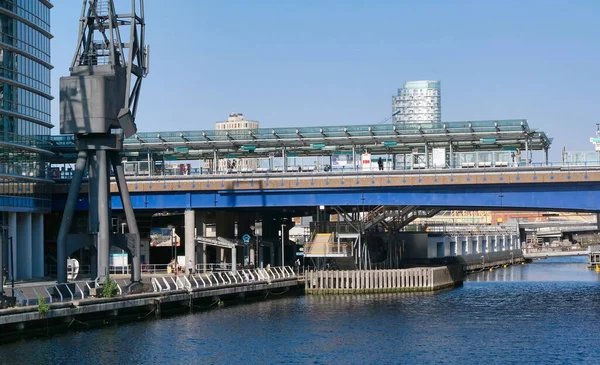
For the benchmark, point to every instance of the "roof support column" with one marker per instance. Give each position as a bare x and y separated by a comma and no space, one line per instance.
215,162
284,157
426,155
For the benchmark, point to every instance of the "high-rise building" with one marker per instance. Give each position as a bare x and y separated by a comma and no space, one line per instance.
25,181
418,102
235,121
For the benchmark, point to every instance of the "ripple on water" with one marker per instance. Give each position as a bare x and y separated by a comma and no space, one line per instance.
520,315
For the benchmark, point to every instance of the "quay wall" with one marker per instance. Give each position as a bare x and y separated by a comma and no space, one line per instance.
21,321
475,262
383,281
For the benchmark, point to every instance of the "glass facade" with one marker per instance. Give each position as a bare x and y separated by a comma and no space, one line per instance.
25,183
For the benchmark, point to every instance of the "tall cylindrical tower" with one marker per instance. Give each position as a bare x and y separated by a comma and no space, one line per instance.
418,102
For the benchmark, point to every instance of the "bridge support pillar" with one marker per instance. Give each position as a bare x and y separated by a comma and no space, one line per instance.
190,237
224,228
200,255
24,243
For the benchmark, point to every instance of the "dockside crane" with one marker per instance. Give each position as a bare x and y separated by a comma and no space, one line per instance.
98,104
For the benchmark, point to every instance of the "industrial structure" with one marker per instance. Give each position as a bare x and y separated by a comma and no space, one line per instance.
98,103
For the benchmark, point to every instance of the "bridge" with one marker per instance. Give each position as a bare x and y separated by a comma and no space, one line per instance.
526,188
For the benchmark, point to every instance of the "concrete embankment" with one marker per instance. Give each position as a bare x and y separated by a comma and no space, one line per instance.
21,321
383,281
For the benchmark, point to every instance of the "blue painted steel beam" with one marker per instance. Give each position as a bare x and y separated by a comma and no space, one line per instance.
550,196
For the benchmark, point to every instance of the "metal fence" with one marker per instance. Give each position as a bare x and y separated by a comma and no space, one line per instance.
30,294
221,278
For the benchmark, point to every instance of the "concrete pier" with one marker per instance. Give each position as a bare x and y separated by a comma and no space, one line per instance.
382,281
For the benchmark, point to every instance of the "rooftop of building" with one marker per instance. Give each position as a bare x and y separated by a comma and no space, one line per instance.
422,84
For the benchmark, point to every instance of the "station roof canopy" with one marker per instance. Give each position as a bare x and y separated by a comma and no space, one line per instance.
310,141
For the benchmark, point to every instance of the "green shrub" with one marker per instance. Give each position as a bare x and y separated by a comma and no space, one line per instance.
43,306
110,288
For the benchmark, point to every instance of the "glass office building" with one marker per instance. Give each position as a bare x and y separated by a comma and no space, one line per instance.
418,102
25,182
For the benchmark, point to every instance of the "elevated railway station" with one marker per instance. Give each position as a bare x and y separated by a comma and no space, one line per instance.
499,143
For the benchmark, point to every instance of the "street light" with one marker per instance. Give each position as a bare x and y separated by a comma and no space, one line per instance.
282,248
12,268
173,247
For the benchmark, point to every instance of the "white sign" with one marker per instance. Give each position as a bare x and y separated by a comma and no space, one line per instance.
439,157
366,161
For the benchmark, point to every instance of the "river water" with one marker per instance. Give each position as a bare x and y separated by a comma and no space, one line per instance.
540,313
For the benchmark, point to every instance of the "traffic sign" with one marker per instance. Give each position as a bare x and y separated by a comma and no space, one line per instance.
246,238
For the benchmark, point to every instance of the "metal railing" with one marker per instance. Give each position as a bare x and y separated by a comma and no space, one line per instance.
29,294
203,174
221,278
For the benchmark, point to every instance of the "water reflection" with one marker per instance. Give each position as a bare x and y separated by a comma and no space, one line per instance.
542,312
552,270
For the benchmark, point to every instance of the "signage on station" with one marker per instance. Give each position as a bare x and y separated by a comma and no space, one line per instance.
181,149
318,145
248,148
487,140
390,143
292,155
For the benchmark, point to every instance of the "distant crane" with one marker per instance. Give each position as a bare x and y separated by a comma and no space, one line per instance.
98,104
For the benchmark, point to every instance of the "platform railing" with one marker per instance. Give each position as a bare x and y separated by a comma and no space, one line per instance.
306,172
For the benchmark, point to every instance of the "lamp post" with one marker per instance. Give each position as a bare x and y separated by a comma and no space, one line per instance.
282,242
173,247
12,267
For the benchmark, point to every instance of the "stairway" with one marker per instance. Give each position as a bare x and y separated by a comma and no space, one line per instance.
318,246
401,216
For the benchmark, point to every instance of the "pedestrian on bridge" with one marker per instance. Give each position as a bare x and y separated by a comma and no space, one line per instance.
380,164
4,275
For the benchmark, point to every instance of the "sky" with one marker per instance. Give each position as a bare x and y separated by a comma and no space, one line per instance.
324,62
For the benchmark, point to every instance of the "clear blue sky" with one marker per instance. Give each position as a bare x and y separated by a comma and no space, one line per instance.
312,63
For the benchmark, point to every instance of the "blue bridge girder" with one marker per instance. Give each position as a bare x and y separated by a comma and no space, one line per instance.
524,189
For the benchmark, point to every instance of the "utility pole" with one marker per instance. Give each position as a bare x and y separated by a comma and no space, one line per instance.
98,104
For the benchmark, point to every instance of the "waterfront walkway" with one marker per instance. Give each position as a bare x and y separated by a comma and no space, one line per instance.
28,293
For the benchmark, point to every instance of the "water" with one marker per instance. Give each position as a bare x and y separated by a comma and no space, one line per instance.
545,312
